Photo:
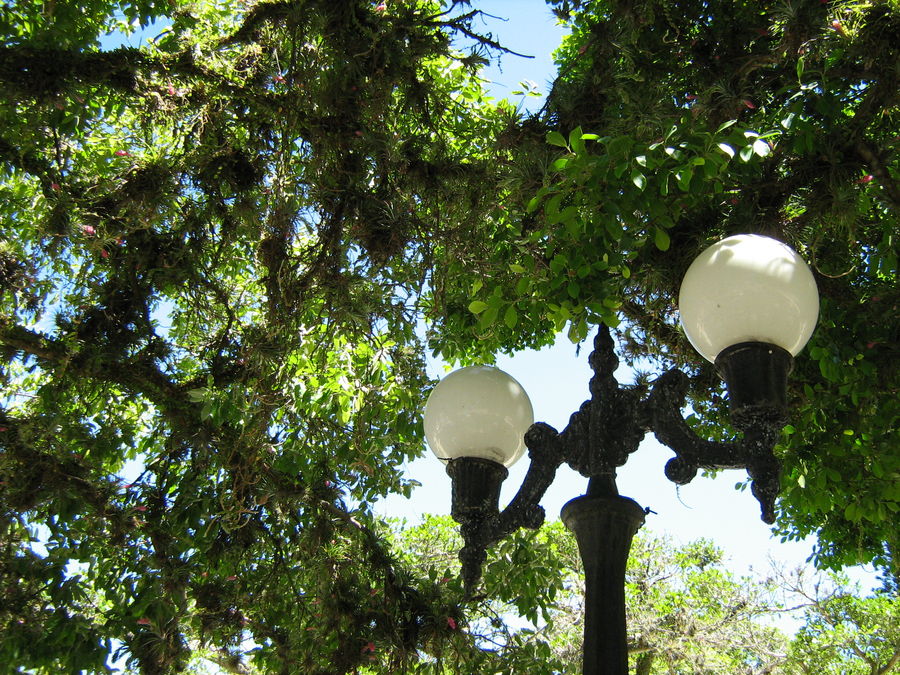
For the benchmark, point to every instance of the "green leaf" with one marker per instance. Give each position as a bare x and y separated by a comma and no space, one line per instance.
477,306
726,125
551,208
558,263
511,317
727,149
638,179
575,141
619,145
661,239
568,214
556,138
614,228
488,317
746,153
761,147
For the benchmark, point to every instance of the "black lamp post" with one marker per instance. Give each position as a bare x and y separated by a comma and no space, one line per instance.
748,303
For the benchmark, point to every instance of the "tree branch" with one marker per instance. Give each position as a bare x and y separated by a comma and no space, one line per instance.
136,375
894,660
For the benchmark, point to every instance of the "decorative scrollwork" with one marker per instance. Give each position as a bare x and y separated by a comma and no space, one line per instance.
601,435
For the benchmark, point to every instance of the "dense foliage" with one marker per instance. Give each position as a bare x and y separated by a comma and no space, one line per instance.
218,251
687,613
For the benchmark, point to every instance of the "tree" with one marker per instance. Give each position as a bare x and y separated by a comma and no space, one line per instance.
221,247
687,613
843,632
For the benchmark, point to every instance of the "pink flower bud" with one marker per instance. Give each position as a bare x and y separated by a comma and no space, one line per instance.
143,622
121,153
88,230
451,622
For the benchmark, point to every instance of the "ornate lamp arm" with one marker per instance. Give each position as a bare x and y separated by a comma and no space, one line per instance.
483,527
753,452
599,438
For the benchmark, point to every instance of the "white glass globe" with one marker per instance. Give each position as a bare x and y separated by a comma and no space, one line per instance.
478,411
748,288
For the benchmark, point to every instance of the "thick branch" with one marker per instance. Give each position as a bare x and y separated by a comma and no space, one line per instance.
894,660
38,72
137,375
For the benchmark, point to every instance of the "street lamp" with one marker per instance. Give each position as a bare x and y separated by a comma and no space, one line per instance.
749,304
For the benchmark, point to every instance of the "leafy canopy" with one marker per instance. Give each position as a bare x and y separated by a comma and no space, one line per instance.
221,251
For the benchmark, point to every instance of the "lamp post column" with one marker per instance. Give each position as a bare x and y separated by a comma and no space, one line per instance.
604,525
